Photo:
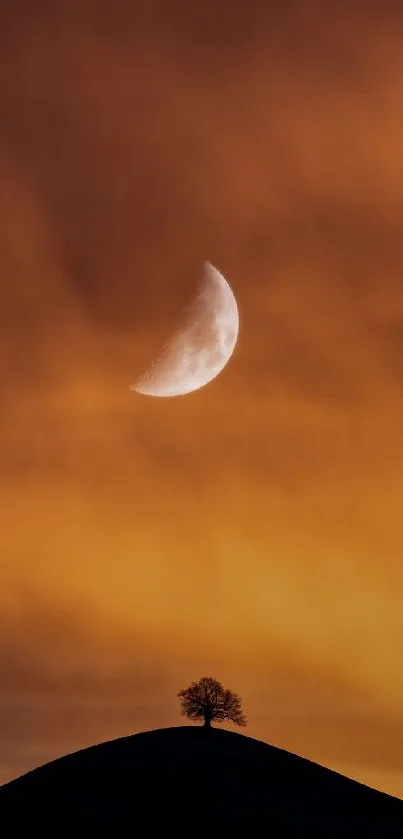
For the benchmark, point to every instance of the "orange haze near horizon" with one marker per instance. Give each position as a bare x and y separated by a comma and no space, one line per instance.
252,530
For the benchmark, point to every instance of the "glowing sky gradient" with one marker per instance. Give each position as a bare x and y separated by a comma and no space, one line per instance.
253,530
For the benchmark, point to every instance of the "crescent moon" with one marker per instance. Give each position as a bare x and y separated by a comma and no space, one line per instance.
198,352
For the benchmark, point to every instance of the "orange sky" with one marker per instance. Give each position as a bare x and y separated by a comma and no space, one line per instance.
253,530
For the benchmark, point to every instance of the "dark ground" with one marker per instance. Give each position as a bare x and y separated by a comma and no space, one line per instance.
196,780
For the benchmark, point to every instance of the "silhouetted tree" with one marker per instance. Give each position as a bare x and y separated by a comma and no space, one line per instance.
208,700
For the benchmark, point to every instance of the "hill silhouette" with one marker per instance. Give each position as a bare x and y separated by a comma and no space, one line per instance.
192,779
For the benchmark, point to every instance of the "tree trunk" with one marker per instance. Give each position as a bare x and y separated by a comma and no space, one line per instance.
207,722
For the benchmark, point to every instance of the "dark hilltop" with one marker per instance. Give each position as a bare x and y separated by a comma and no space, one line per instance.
193,779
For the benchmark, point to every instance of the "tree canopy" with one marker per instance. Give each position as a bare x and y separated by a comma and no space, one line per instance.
208,700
